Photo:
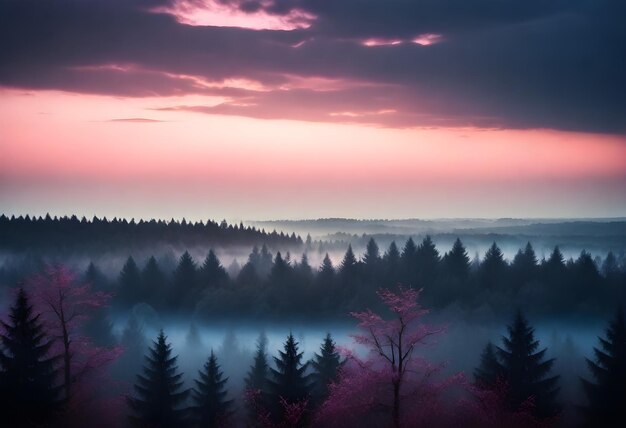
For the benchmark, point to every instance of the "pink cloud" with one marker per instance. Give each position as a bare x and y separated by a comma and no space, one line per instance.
428,39
222,14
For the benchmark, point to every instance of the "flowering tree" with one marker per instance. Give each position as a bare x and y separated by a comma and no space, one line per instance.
392,373
65,307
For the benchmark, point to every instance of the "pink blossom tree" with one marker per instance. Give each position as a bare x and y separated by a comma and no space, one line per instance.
392,374
65,306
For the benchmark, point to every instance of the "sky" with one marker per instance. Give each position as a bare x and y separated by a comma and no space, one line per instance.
275,109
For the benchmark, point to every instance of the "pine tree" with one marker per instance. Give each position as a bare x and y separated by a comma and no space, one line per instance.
153,284
326,366
212,273
257,375
289,380
525,370
29,393
372,254
493,268
427,260
159,390
185,282
607,397
457,262
211,409
490,370
129,284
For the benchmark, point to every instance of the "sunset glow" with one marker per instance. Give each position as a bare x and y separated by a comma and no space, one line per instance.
269,109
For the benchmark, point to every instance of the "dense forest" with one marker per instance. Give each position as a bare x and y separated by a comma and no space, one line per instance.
71,235
283,286
96,344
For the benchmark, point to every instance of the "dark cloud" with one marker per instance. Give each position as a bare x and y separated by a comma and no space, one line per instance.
502,63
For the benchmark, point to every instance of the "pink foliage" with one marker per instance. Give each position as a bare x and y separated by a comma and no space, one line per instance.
294,414
65,306
392,386
488,408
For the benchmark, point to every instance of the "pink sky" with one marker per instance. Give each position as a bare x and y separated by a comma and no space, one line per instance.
67,153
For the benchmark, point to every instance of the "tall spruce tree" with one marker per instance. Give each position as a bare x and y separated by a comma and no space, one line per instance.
326,366
493,269
211,408
159,390
490,370
212,273
607,396
129,284
29,392
525,370
456,262
257,376
289,380
185,290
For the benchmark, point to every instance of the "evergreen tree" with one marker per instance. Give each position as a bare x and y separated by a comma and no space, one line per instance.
372,254
490,370
427,262
493,268
457,262
607,396
289,380
326,366
348,264
210,409
391,260
327,271
185,290
95,277
154,285
159,390
212,273
256,378
407,258
29,393
525,370
129,284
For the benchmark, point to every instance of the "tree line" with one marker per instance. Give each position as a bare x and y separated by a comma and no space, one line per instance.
392,385
73,235
278,285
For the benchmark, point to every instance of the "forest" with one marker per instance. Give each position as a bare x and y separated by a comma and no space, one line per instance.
139,346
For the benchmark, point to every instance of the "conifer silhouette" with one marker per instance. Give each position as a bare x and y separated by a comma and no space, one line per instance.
29,392
607,396
525,370
326,366
211,408
159,390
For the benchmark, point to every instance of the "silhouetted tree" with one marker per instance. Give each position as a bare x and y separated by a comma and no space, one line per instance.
493,269
129,285
607,396
212,273
159,390
490,370
210,408
325,366
29,394
185,290
456,262
257,376
153,284
289,380
525,370
426,263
